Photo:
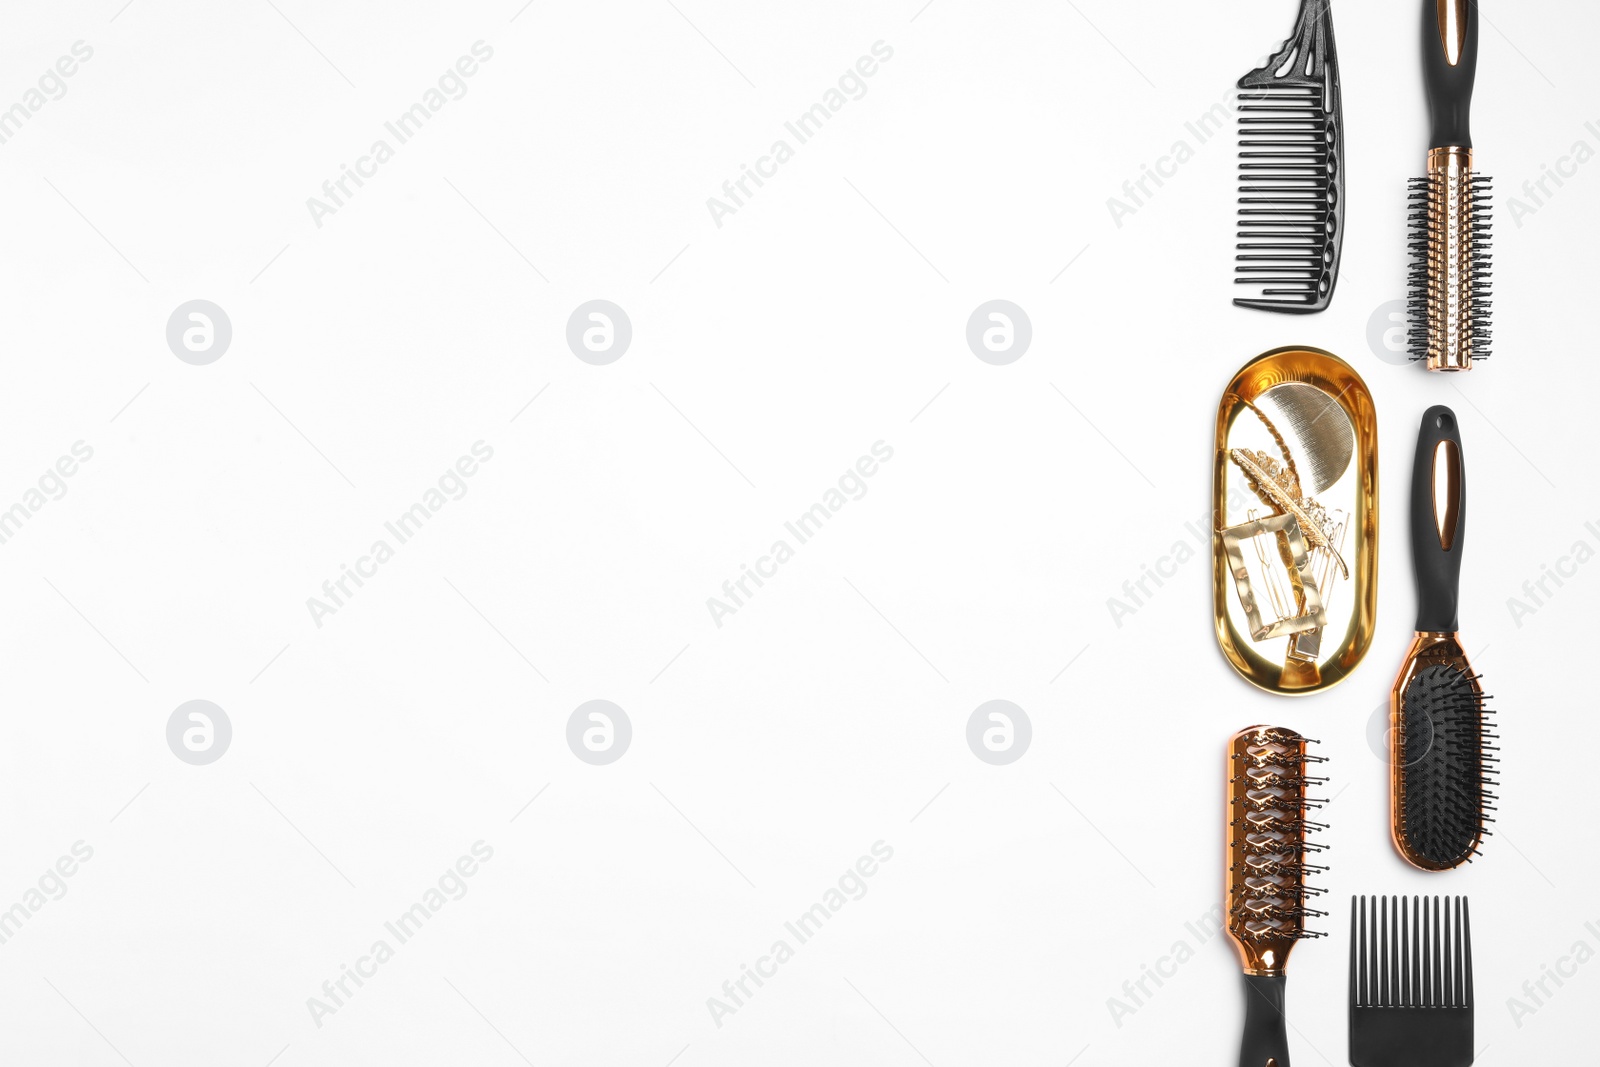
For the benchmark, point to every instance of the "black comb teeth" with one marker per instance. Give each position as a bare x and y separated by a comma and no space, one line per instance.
1410,953
1446,766
1411,1001
1291,174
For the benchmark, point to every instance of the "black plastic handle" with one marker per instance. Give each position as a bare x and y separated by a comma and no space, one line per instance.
1266,1039
1438,524
1450,27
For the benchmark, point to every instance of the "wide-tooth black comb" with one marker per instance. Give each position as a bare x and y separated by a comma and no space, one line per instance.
1291,171
1410,982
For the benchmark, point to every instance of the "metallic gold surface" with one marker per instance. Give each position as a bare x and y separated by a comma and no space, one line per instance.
1453,29
1428,649
1450,258
1447,486
1309,602
1266,873
1281,498
1291,662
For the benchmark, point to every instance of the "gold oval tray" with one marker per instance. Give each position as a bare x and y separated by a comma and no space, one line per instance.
1295,540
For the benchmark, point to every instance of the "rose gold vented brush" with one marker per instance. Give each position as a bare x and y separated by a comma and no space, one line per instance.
1268,892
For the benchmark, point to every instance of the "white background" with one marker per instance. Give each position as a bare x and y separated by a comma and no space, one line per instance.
768,354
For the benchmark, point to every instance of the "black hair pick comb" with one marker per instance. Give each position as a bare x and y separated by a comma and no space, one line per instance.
1291,171
1410,982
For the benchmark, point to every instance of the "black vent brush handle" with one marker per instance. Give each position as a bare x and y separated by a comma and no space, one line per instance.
1266,1039
1438,519
1449,67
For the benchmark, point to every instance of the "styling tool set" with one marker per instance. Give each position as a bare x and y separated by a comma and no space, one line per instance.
1295,552
1292,177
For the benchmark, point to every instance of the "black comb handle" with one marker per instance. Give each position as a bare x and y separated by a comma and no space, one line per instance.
1449,67
1438,519
1266,1040
1307,58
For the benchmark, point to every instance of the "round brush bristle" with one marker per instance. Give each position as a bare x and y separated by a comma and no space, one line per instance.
1446,767
1449,284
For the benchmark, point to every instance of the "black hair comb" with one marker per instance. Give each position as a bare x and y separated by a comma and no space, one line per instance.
1291,171
1410,982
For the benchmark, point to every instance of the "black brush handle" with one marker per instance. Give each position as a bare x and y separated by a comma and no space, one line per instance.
1266,1038
1450,27
1438,564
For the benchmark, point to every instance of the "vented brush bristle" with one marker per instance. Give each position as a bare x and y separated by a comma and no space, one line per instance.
1450,263
1446,766
1268,891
